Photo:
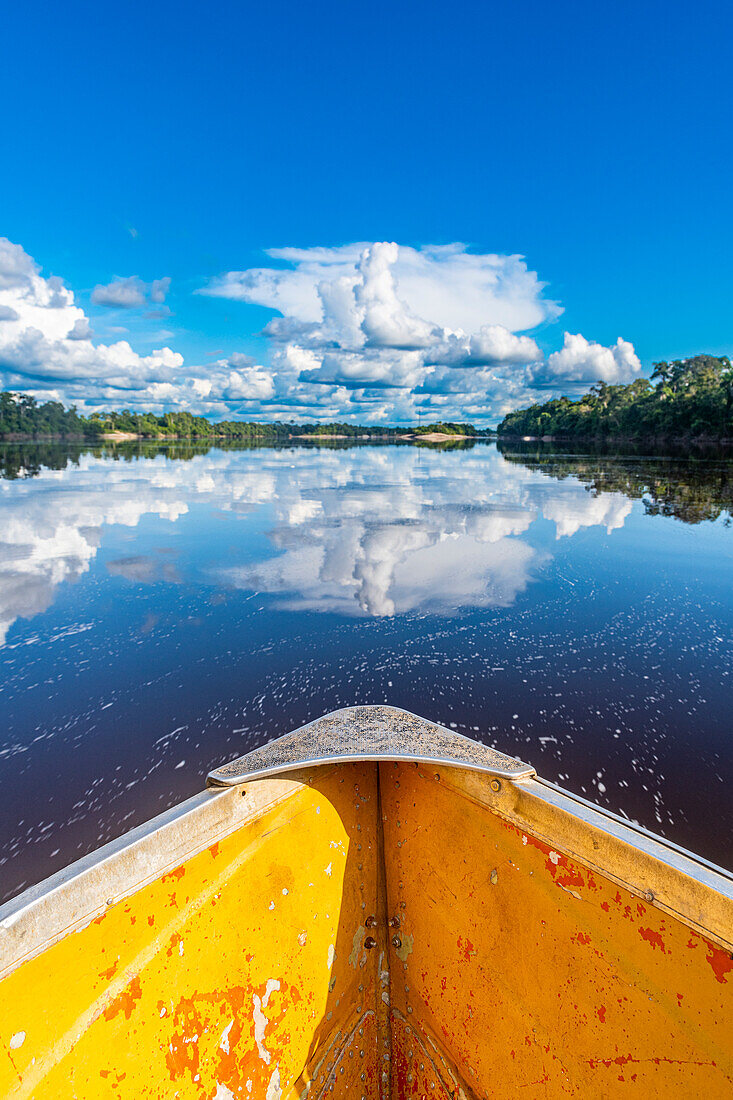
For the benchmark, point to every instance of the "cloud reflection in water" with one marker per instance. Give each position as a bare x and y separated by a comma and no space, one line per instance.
374,531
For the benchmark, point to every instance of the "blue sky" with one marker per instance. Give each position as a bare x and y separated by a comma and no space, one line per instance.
181,141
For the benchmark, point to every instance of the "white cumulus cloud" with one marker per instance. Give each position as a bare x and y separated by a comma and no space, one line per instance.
373,531
47,348
445,330
370,332
581,360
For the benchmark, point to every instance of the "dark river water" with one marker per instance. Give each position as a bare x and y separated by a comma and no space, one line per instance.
164,610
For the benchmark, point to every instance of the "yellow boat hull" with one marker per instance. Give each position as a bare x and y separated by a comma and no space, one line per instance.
372,928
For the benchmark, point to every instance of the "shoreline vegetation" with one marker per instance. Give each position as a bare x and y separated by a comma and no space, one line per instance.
691,403
23,419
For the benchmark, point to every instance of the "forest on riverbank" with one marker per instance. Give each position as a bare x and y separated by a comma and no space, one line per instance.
21,417
685,399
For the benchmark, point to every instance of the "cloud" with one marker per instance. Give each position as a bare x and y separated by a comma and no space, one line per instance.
17,269
443,328
159,288
131,292
144,569
120,293
369,332
492,345
80,330
580,360
454,288
47,348
571,512
375,531
356,328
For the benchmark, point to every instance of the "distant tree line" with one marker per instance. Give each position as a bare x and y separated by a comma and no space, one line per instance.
449,427
22,417
687,398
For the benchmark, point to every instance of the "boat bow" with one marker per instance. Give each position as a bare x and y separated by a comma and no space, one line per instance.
375,733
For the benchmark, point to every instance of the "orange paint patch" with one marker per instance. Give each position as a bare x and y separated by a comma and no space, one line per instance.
176,939
175,875
653,938
720,961
570,876
627,1059
125,1001
466,948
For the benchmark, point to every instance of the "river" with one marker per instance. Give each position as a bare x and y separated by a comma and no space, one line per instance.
165,609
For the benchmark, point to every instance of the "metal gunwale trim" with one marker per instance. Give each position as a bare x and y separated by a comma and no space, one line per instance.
213,782
586,808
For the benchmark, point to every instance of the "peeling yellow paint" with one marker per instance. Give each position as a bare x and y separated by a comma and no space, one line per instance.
117,1009
204,982
527,989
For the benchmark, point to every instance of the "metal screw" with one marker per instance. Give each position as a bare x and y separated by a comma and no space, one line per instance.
396,941
495,785
648,895
394,922
370,942
370,922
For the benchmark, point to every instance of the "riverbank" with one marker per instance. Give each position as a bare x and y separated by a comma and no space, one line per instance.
141,437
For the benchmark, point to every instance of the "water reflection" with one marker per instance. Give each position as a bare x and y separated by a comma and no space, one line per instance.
165,609
694,487
378,531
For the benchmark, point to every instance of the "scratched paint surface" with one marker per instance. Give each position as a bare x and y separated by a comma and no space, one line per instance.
516,964
242,973
414,1070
